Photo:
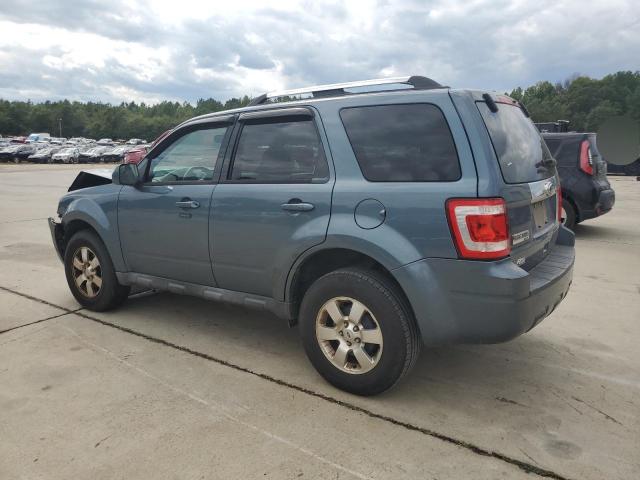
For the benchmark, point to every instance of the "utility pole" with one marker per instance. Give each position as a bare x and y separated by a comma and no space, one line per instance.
60,126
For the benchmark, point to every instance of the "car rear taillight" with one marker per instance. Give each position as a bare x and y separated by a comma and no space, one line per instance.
479,227
586,159
559,203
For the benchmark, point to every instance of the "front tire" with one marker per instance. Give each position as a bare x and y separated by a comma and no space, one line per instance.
90,273
358,332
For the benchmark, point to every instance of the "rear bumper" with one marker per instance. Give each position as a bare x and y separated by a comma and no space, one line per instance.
603,201
459,301
606,201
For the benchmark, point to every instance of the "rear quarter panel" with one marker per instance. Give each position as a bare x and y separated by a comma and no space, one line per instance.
415,225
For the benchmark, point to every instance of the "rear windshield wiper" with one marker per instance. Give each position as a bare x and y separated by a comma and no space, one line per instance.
547,162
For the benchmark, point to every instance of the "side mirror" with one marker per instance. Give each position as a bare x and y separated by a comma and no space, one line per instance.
126,174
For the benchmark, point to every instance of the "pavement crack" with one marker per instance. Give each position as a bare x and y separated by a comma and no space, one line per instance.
37,321
25,220
512,402
522,465
606,415
100,441
36,299
218,408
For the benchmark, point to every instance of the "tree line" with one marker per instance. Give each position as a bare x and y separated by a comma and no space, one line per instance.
103,120
585,102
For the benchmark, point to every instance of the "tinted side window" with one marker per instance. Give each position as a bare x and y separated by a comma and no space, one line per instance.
191,157
282,151
402,143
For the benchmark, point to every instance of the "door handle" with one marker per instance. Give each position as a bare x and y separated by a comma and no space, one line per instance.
297,205
184,203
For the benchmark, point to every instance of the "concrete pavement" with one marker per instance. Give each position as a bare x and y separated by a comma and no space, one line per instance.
176,387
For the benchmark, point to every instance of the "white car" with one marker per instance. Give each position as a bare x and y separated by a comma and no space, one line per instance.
66,155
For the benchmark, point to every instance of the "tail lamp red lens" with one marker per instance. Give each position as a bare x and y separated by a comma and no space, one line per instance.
479,227
586,159
559,203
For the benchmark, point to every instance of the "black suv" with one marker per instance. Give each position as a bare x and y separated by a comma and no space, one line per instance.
586,192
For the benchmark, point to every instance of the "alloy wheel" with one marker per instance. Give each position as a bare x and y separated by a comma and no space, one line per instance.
87,273
349,335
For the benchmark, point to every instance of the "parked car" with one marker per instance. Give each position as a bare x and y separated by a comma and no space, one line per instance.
86,152
38,137
586,191
135,141
116,154
135,155
8,153
17,152
95,154
105,141
66,155
43,155
631,169
378,221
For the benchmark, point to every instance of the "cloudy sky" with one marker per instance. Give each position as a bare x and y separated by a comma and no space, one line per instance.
115,50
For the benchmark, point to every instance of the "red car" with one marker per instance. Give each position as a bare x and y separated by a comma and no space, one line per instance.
136,155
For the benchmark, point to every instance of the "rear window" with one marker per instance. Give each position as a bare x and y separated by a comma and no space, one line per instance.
402,143
565,149
521,152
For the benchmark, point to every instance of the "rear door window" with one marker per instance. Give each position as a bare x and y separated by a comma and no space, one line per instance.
521,151
276,151
402,143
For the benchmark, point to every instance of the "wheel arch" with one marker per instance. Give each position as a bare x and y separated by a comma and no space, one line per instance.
320,262
86,214
569,198
74,226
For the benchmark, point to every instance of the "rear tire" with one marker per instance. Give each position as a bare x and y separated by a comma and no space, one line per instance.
90,273
568,214
386,332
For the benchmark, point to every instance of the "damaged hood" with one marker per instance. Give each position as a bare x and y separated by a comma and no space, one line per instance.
92,178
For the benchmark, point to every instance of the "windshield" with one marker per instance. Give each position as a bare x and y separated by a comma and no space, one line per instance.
521,151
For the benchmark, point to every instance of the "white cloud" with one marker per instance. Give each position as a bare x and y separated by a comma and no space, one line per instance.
125,50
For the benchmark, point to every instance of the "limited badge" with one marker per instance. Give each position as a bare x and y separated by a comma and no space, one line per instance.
519,237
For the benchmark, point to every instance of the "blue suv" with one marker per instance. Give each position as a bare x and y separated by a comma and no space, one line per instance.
380,216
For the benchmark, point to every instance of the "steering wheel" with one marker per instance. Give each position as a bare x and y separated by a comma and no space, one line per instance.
203,175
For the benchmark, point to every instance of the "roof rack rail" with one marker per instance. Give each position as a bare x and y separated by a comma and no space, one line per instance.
338,89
